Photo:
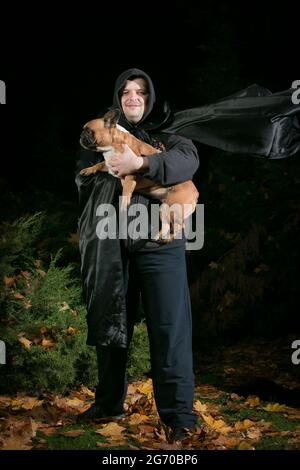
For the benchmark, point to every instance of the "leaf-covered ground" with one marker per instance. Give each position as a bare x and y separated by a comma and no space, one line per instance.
230,415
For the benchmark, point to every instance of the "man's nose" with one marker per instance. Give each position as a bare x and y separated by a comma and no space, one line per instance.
133,95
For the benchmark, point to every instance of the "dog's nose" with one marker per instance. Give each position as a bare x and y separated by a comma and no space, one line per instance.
87,139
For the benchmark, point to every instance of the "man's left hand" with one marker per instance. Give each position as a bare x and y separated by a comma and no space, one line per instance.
126,162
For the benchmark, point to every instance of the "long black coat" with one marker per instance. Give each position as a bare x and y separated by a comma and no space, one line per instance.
252,121
101,264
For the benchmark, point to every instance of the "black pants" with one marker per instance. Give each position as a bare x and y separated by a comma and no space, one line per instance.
160,276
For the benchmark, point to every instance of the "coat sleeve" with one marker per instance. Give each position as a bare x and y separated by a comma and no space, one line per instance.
177,164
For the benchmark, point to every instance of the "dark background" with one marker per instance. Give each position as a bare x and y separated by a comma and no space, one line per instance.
60,67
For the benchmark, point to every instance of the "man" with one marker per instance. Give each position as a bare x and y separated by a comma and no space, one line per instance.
131,269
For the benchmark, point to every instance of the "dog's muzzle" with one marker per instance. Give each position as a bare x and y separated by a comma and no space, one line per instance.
87,139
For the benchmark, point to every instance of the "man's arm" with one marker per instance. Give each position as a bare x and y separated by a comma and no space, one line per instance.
175,165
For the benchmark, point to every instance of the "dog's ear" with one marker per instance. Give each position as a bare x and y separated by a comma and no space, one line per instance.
111,118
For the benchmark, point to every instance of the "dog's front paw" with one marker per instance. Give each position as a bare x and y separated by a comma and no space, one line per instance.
88,171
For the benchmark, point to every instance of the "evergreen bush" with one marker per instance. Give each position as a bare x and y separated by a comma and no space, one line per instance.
139,355
42,317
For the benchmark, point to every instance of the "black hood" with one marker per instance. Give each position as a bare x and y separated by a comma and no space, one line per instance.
120,82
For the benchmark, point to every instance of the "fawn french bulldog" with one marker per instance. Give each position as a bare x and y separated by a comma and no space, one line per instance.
105,135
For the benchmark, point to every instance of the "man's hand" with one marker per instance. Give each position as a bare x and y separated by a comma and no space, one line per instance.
126,162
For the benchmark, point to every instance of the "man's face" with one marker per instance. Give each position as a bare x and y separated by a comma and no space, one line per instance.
134,99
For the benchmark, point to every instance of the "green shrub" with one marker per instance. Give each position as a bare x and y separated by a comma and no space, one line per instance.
86,367
42,317
139,355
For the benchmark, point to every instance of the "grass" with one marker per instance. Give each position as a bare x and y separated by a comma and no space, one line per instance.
87,441
276,443
90,440
278,420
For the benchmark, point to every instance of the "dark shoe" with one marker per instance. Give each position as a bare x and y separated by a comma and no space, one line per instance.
179,434
95,413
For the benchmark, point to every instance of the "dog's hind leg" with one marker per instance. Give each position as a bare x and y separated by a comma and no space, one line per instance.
129,184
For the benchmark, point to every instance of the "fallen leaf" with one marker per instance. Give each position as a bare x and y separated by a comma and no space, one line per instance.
25,274
24,341
229,370
69,403
48,343
71,330
48,430
253,401
274,407
64,306
166,446
39,444
261,267
264,426
8,281
254,434
279,433
217,424
137,418
131,390
72,433
26,403
18,434
226,442
244,445
86,391
19,296
133,398
41,272
74,402
146,429
146,388
234,396
144,405
5,402
110,429
243,425
161,433
200,407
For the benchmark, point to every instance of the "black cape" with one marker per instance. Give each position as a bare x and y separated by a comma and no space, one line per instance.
252,121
